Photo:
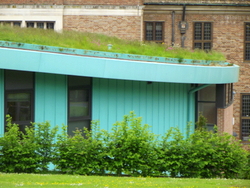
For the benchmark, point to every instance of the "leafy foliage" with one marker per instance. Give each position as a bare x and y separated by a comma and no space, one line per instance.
129,148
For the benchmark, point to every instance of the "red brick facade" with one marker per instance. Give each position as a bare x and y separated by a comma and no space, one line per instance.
224,123
126,27
199,1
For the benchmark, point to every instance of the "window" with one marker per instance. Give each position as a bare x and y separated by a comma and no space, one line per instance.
224,93
212,97
206,105
154,31
19,97
247,42
42,25
203,35
79,103
245,117
11,23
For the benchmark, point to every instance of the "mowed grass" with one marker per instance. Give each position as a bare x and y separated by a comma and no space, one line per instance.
99,42
47,180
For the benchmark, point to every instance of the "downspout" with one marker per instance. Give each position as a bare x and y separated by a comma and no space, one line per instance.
173,33
183,19
190,92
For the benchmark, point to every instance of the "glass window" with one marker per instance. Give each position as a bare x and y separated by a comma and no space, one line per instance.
206,105
79,103
50,25
30,24
247,42
40,25
245,117
203,35
154,31
19,97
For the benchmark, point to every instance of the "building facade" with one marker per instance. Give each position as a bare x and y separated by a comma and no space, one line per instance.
206,24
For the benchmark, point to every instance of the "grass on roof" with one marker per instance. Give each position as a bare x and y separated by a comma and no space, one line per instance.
99,42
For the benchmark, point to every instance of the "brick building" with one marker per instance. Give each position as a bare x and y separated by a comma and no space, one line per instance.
222,25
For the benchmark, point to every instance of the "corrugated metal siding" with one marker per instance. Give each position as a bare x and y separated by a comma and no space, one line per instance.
51,98
2,102
161,105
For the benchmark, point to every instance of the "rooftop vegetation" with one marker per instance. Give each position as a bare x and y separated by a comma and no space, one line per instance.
99,42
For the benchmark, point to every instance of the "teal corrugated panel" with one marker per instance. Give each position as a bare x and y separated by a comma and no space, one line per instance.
112,101
51,99
121,95
2,119
161,105
103,104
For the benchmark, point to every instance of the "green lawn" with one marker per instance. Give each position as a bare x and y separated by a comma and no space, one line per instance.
36,180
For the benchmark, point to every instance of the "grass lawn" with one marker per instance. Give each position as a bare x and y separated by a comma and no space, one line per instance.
46,180
99,42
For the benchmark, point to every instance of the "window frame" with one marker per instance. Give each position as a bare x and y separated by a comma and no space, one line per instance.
154,31
246,42
82,118
243,117
202,41
31,91
13,23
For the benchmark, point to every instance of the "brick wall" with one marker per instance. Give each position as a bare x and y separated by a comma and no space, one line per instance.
126,27
224,119
228,38
31,2
200,1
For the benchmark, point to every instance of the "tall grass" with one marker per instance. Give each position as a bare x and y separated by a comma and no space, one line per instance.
99,42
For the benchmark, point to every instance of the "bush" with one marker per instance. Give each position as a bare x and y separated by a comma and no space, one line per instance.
27,152
132,147
18,150
129,148
84,153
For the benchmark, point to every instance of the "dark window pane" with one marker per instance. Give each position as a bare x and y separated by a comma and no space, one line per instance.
19,106
247,51
207,46
17,24
158,31
246,105
79,81
248,32
30,24
74,125
7,23
50,25
40,25
79,103
198,31
208,110
245,129
197,46
207,31
207,94
149,31
18,80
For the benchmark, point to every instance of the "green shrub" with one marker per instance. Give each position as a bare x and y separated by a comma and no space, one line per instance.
18,150
45,138
84,153
132,147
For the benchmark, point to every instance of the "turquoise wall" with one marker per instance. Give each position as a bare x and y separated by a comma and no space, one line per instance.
161,105
1,102
51,98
